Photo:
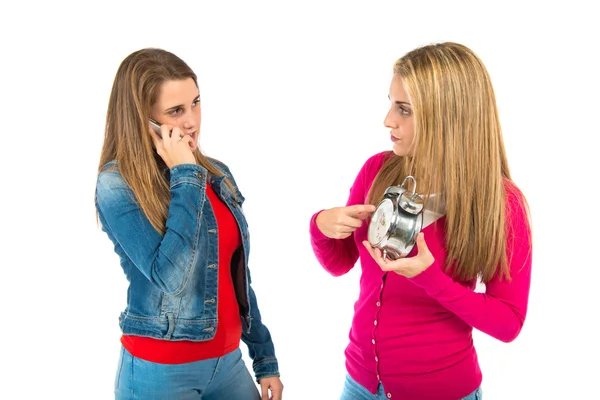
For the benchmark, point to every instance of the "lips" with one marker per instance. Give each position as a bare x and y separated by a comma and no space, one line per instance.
393,138
194,137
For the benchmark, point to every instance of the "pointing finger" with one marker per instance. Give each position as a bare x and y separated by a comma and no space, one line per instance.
360,209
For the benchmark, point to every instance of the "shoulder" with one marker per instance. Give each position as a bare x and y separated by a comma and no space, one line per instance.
514,196
220,165
517,208
110,184
377,160
374,163
109,176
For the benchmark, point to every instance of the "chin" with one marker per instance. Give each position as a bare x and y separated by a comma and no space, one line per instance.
399,151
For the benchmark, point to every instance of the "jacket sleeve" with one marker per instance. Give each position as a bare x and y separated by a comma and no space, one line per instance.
257,338
166,261
255,333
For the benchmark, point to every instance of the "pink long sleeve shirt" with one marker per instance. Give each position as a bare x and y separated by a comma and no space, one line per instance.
415,335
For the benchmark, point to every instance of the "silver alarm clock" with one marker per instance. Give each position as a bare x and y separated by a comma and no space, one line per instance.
397,221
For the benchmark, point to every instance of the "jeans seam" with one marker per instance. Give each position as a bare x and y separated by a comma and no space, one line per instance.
131,377
214,374
120,370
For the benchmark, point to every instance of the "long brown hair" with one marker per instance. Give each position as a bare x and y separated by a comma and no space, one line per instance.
127,140
458,151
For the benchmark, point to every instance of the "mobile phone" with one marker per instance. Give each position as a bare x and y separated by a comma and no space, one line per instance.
155,127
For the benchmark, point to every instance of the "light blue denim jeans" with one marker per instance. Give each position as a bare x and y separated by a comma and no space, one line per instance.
355,391
222,378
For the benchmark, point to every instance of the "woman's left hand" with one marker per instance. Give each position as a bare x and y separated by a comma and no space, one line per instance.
408,267
273,384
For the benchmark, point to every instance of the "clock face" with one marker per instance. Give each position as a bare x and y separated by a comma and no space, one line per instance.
380,222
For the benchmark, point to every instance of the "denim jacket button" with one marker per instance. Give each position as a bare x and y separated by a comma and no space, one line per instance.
200,175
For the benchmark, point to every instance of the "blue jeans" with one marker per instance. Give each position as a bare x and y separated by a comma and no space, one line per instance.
354,391
223,378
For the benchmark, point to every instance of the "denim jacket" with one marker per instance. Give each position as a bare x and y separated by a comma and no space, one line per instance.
173,278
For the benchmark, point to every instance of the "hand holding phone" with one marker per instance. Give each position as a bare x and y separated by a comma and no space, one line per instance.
171,152
155,127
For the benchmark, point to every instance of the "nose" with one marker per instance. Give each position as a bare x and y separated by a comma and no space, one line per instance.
188,123
388,122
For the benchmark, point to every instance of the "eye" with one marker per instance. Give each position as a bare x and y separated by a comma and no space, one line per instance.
404,111
196,102
175,112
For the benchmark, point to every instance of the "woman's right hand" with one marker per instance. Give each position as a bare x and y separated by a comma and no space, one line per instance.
340,222
175,147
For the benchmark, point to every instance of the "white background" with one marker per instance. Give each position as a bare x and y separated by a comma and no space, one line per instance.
294,95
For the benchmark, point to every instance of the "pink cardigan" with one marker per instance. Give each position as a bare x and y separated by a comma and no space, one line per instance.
414,335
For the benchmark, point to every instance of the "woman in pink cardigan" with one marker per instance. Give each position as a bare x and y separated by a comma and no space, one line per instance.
411,334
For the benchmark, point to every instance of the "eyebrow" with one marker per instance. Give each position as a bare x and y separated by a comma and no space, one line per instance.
400,102
181,105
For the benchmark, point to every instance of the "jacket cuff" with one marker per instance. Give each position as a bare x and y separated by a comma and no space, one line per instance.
265,368
188,173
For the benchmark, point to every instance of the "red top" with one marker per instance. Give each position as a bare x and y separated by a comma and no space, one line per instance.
415,335
229,328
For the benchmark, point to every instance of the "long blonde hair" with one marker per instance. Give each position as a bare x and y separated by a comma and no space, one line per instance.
127,140
459,153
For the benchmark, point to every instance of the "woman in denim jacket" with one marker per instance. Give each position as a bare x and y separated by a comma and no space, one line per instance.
175,218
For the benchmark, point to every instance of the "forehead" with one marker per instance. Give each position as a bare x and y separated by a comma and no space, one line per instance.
397,92
177,91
